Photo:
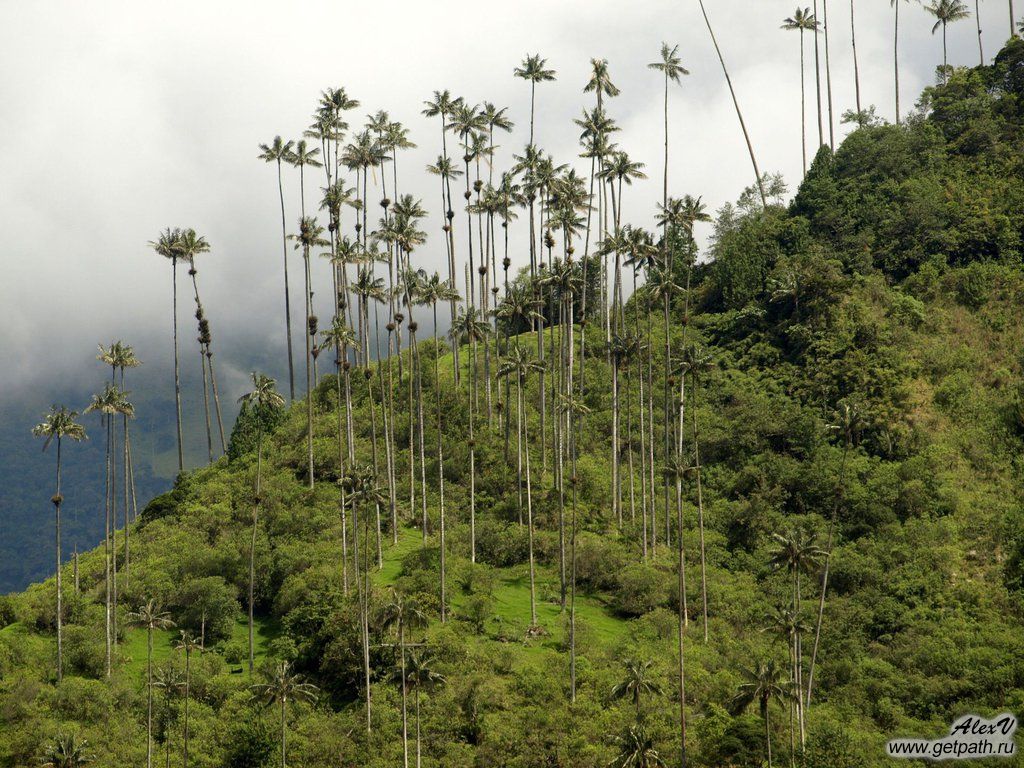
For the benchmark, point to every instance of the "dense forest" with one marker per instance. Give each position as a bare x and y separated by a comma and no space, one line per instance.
641,506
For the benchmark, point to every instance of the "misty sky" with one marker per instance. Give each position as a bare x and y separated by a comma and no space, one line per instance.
118,119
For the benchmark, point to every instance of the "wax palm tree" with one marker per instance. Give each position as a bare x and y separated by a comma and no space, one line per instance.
764,684
432,291
168,245
802,20
636,749
300,157
404,614
120,356
263,398
151,617
636,684
188,643
600,82
66,751
423,676
280,686
310,235
789,625
847,422
797,552
169,680
671,68
856,66
110,402
58,424
896,51
696,363
739,114
535,70
360,483
947,12
519,364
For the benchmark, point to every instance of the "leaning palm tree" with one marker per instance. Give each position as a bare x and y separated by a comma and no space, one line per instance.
66,751
280,686
263,398
946,12
423,676
636,684
404,614
188,643
764,684
736,104
802,20
168,246
277,152
636,750
58,424
152,617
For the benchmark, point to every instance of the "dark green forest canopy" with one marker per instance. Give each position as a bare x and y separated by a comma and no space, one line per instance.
892,285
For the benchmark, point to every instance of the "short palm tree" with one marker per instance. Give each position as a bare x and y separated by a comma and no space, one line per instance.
168,245
263,399
280,686
58,424
152,617
946,12
66,751
636,684
636,750
277,152
764,684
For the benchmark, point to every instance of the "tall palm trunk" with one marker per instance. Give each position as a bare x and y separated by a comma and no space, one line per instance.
828,82
149,696
206,406
188,680
768,737
682,619
106,548
803,103
896,56
856,66
977,17
252,543
216,399
405,697
700,513
817,80
287,293
736,104
309,371
57,500
177,378
524,445
440,469
284,730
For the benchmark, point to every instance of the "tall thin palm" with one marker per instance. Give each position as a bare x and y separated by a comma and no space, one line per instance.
151,617
261,401
802,20
189,644
277,152
58,424
947,12
168,245
423,676
280,686
764,684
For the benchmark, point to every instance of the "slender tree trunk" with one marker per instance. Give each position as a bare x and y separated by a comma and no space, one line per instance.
418,740
287,293
828,83
284,731
149,696
736,104
682,620
896,56
405,699
768,737
977,17
206,406
817,79
700,514
106,548
57,500
216,400
177,378
1013,31
252,544
529,498
856,66
188,669
803,104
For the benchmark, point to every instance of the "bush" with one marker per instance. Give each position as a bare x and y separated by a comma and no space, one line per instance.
641,589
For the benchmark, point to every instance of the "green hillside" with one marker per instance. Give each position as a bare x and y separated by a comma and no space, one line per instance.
865,362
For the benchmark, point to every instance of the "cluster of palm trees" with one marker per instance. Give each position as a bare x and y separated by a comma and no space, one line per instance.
814,20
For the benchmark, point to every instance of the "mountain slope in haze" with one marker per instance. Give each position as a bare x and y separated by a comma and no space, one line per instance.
893,284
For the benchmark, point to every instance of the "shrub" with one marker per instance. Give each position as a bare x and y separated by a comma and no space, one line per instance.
641,589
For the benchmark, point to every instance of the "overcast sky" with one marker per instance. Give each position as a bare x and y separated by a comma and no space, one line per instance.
118,119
